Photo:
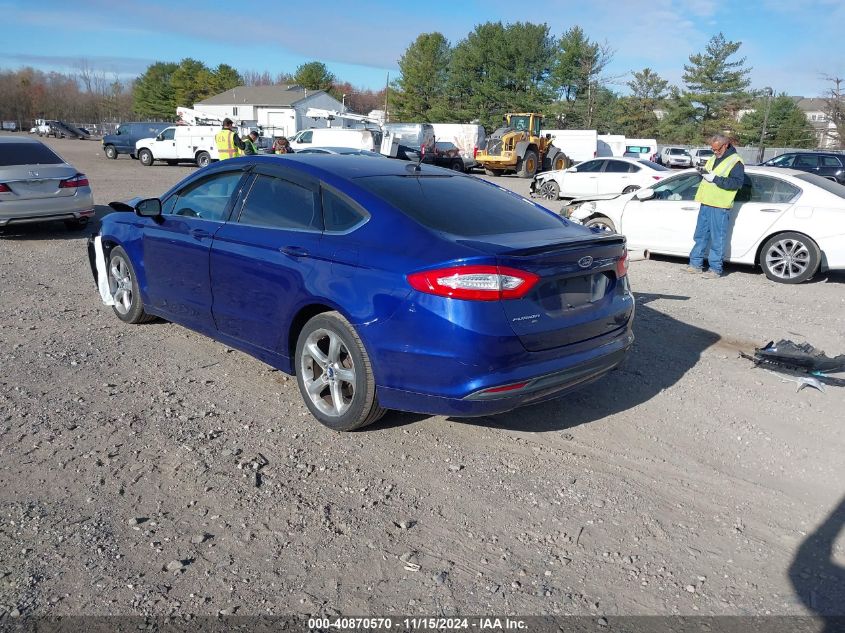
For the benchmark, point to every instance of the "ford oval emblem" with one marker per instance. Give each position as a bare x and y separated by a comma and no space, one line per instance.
585,262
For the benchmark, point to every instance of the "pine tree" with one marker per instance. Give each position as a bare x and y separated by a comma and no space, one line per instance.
420,93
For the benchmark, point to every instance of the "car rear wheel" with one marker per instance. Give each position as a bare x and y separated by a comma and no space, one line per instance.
790,258
605,224
630,188
550,190
146,157
203,159
334,374
110,151
123,287
457,165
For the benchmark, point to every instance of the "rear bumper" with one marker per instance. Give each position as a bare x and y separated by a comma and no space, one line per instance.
73,207
576,371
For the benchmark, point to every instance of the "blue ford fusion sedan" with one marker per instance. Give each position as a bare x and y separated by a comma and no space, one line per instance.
379,284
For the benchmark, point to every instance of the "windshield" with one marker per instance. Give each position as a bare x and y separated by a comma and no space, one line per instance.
460,205
677,151
828,185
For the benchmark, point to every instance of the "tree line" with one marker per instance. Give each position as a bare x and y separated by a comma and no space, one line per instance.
496,68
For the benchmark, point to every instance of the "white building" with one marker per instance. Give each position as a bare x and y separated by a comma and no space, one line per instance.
279,110
816,111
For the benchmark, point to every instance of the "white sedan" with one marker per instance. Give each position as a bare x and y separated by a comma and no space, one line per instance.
598,176
790,223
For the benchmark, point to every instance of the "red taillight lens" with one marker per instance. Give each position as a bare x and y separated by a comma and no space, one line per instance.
80,180
474,152
622,265
4,188
658,177
474,283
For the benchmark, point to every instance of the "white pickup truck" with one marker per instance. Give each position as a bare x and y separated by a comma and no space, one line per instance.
180,144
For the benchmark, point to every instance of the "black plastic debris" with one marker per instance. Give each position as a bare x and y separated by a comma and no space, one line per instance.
799,360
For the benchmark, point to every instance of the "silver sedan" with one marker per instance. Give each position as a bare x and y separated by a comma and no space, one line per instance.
36,185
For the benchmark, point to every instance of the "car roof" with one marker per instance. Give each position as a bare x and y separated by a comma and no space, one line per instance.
19,139
344,166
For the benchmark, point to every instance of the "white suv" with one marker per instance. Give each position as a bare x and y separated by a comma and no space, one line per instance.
675,157
701,156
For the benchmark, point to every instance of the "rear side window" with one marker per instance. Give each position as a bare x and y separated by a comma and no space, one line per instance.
340,214
619,167
830,161
27,154
280,204
805,161
766,189
459,205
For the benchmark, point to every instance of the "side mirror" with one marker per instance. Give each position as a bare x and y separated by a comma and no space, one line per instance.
160,137
644,194
149,208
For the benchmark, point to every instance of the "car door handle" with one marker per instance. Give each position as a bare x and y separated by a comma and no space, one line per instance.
199,234
770,210
689,208
293,251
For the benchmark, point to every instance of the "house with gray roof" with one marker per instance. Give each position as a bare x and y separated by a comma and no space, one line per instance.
279,110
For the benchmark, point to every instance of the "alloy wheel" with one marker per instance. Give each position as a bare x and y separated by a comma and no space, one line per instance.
120,284
328,372
788,258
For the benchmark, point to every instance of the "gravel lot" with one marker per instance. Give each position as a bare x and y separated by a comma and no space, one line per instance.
685,483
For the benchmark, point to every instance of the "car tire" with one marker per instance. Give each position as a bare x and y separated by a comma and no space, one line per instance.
528,165
203,159
146,157
110,152
77,224
123,286
550,190
790,258
457,165
602,222
630,188
334,374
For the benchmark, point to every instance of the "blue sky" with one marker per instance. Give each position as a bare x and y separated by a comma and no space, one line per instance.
789,43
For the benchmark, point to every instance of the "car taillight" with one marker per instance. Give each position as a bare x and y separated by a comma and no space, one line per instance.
474,152
475,283
4,188
80,180
658,177
622,265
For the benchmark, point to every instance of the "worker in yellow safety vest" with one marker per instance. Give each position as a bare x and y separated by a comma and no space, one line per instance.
721,177
229,144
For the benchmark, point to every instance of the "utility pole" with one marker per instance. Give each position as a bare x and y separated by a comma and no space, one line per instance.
386,90
769,93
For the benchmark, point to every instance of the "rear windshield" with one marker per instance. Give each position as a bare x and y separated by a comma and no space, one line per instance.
828,185
460,205
27,154
653,166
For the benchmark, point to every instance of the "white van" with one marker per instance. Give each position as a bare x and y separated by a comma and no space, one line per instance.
578,145
180,144
467,137
640,148
337,137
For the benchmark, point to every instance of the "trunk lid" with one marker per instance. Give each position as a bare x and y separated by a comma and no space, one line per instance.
30,182
578,296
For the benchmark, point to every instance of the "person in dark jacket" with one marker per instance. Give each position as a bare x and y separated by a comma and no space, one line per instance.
251,144
722,176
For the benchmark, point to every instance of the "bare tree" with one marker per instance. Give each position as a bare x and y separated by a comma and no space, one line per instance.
835,105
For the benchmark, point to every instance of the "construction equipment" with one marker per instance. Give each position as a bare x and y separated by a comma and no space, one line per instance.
518,146
331,115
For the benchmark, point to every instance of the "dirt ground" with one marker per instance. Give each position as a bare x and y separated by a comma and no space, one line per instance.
686,482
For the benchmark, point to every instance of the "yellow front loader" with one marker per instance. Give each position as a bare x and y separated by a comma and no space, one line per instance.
518,147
